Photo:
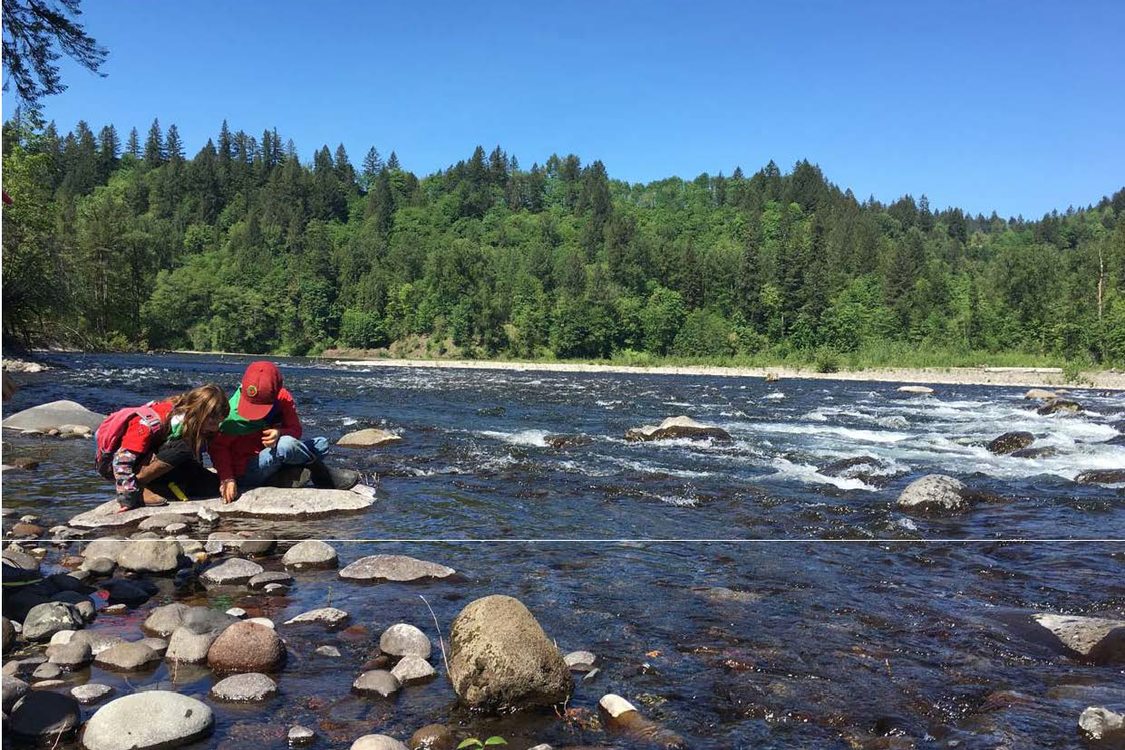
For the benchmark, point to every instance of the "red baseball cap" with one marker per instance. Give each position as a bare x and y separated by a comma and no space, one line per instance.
260,386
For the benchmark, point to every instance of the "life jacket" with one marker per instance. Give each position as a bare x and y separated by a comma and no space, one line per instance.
112,429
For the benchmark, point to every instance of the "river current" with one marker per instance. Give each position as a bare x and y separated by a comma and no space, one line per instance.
731,589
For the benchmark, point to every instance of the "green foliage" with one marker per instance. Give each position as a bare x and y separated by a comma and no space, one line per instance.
244,248
472,743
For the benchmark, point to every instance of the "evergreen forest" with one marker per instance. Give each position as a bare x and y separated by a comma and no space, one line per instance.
124,242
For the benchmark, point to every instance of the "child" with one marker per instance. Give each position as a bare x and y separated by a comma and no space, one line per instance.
155,450
262,435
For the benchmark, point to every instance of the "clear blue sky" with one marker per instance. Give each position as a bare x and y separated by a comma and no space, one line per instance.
1014,106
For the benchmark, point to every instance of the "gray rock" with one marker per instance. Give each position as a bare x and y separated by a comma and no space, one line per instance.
500,658
1059,406
311,553
257,547
222,541
1097,723
54,416
205,619
47,671
934,493
330,651
162,521
72,655
916,390
238,612
17,558
263,621
329,616
377,742
188,647
411,670
376,682
580,661
1099,640
175,528
1102,476
1010,442
369,438
9,633
86,611
149,719
403,639
101,566
127,657
208,515
164,620
299,736
108,548
1039,394
231,573
159,645
275,588
677,427
14,689
61,637
248,687
262,580
91,692
44,620
43,715
150,556
98,642
393,568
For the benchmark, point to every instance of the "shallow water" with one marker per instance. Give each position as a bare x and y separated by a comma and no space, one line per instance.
764,642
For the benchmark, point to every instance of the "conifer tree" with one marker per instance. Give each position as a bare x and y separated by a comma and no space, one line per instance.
154,146
133,147
174,147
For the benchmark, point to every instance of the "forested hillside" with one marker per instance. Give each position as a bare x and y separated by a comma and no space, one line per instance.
126,242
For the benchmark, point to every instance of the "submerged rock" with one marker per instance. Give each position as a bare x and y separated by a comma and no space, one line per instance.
1010,442
376,682
433,737
248,687
623,717
934,493
44,715
916,390
1099,640
1101,476
91,692
677,427
500,658
299,736
147,720
369,438
1059,405
393,568
54,416
263,580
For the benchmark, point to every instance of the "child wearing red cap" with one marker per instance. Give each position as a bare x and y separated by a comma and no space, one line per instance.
262,435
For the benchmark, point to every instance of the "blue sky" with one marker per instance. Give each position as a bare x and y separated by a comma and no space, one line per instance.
1012,106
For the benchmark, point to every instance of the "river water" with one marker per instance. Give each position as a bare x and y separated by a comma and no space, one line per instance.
814,615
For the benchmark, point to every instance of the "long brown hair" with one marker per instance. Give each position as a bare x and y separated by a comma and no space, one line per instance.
196,406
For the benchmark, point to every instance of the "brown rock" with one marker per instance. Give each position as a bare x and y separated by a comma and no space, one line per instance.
246,647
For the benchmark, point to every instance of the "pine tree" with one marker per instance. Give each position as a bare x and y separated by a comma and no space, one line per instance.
154,146
345,172
392,162
226,144
372,166
174,147
134,145
108,146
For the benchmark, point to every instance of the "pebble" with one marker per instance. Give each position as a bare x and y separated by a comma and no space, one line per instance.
238,612
330,616
328,651
580,661
299,735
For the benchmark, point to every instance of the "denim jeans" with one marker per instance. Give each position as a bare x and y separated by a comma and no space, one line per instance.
289,451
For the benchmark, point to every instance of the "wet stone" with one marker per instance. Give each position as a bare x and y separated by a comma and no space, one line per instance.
262,580
580,661
149,719
156,523
14,689
91,692
311,553
329,651
377,742
101,566
46,671
230,573
255,547
433,737
44,715
127,657
330,616
404,639
248,687
44,620
188,647
164,620
412,670
376,682
71,655
300,736
394,568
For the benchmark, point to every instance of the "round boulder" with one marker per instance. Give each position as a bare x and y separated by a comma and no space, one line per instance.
44,620
246,647
311,553
405,640
934,493
376,682
150,719
244,688
500,659
1010,442
188,647
150,556
44,715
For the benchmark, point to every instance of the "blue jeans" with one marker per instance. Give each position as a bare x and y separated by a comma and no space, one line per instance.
289,451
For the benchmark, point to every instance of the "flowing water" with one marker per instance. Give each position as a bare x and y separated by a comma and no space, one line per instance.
815,614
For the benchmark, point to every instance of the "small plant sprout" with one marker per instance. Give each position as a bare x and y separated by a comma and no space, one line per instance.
472,743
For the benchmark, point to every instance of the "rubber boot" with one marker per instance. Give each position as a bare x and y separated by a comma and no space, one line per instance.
327,478
291,476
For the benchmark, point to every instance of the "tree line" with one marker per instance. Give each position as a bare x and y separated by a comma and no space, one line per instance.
124,243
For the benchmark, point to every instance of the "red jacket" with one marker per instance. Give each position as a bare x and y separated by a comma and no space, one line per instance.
141,438
230,453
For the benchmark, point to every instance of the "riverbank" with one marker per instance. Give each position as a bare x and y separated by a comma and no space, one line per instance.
1012,376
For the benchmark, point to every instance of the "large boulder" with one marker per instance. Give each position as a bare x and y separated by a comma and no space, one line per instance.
148,720
369,438
54,416
934,493
44,716
246,647
150,556
677,427
1010,442
399,568
1095,639
311,553
500,659
44,620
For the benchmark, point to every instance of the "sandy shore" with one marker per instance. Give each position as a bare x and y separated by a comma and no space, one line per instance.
1014,376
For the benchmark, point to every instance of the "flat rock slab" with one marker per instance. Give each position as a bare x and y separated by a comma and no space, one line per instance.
127,657
150,719
330,616
393,568
53,416
261,502
244,688
91,692
369,438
